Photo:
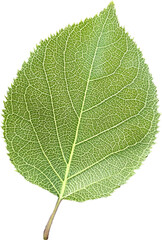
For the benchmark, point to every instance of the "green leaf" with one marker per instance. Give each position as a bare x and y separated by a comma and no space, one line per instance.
81,115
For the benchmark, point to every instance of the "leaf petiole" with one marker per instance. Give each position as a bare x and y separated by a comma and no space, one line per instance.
48,226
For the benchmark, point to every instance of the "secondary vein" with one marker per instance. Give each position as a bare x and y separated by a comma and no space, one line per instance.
51,99
120,150
37,134
65,73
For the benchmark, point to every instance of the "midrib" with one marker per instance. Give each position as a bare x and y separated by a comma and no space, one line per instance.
77,129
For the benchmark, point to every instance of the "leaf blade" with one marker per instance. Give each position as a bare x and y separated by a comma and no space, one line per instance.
85,99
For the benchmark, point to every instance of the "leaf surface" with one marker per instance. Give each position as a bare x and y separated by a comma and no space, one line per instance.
82,115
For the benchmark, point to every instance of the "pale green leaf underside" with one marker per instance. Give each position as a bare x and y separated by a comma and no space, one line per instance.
82,113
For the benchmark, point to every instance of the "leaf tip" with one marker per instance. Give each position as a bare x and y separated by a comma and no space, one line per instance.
112,4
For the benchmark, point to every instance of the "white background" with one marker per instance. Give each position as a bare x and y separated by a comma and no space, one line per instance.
134,211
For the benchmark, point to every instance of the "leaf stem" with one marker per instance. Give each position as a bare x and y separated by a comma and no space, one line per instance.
48,226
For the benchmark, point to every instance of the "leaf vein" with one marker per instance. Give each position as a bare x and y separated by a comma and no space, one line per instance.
65,72
38,137
84,98
52,105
